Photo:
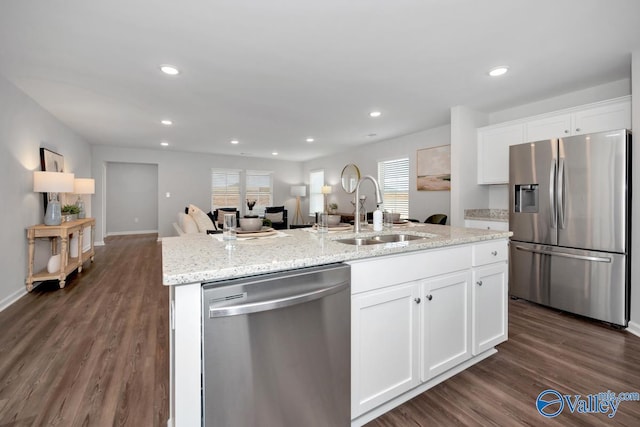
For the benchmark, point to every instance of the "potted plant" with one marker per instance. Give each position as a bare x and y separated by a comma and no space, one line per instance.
70,212
333,208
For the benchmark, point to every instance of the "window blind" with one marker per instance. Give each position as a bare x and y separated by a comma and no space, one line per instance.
225,188
259,186
393,177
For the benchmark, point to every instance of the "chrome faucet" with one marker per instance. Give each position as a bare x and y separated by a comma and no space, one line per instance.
356,220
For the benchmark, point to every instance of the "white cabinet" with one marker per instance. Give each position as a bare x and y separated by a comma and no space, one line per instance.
493,152
384,346
489,296
609,116
412,320
549,127
494,141
446,323
486,225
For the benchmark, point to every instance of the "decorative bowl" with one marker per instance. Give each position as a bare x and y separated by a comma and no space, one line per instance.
333,219
251,224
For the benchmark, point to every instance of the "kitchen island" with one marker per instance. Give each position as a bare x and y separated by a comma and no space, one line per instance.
437,305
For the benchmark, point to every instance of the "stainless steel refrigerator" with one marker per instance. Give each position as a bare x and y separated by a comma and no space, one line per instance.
570,217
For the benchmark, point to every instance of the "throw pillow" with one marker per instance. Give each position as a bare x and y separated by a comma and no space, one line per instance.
202,220
274,217
187,224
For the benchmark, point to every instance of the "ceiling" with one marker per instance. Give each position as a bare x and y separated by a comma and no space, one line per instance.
273,73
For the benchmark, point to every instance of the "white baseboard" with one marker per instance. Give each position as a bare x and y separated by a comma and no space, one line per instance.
100,243
11,298
128,233
634,328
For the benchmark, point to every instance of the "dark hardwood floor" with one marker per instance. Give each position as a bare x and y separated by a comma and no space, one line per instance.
96,354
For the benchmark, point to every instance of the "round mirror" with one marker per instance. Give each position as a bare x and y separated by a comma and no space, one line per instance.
350,177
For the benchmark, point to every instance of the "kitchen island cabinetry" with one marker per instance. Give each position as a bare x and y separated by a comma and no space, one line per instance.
403,343
417,320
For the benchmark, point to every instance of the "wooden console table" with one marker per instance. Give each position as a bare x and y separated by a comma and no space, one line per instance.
67,264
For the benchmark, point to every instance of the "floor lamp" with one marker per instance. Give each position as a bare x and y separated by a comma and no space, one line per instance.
298,191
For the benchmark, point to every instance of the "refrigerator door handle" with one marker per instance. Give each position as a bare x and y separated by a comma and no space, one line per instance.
553,207
564,255
561,194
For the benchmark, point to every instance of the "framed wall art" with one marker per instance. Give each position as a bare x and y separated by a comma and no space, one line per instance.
434,168
50,161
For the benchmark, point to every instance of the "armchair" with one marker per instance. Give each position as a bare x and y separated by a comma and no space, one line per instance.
278,217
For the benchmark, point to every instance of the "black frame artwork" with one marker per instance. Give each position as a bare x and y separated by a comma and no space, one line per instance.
50,161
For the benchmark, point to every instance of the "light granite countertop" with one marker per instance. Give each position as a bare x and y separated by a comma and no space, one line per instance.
498,215
201,258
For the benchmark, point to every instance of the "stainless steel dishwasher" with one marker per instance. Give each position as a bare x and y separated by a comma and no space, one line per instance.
276,349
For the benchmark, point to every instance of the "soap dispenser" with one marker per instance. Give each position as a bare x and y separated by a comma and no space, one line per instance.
377,219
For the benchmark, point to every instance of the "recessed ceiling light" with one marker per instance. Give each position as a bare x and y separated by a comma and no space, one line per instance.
235,141
169,69
375,114
275,153
166,122
498,71
164,143
310,139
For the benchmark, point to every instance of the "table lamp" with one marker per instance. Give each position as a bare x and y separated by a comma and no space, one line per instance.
326,189
298,191
52,183
83,186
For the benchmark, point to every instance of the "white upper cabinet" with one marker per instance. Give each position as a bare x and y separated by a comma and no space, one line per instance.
549,127
494,141
604,117
493,152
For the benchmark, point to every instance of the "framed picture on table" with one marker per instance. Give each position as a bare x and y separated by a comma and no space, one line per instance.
50,161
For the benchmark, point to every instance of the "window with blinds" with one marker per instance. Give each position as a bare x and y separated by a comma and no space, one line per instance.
259,186
316,198
393,177
225,188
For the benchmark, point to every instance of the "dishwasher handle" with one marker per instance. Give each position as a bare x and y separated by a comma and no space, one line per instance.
272,304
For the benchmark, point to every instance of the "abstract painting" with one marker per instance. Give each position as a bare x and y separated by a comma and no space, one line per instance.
434,168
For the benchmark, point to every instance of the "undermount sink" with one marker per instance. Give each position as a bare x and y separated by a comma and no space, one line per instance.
380,239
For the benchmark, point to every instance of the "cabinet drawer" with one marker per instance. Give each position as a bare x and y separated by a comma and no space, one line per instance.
370,274
487,253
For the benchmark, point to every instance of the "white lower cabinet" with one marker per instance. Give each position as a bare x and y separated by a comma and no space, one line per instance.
489,297
446,323
407,336
384,346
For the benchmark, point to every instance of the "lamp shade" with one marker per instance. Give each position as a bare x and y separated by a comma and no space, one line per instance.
52,182
84,186
298,190
326,189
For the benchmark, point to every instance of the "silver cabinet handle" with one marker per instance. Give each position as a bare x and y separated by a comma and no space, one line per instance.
479,282
578,129
429,297
494,253
566,131
417,300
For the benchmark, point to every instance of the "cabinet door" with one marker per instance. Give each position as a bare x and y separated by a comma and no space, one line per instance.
384,345
493,152
549,127
489,306
606,117
446,323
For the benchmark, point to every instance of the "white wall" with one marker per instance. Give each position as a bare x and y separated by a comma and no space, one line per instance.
24,128
131,198
634,324
422,203
465,192
187,177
